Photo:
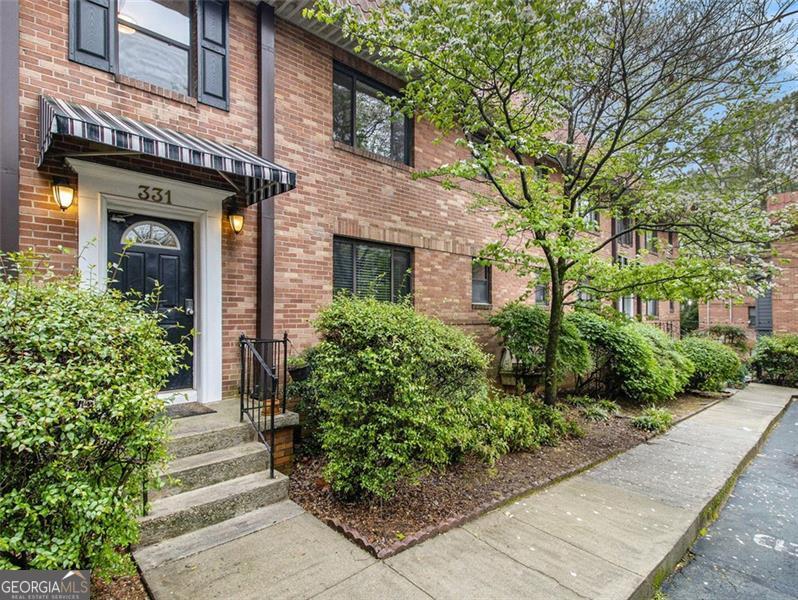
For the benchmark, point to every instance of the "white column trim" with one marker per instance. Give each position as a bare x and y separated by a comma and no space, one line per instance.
101,187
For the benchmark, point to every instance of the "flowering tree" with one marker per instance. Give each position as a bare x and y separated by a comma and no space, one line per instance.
568,109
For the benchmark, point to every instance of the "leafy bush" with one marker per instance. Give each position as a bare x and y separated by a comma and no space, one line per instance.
654,419
675,369
715,363
628,363
396,393
81,426
731,335
393,387
524,330
775,359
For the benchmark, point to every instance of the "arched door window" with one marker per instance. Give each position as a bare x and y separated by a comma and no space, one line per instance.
151,234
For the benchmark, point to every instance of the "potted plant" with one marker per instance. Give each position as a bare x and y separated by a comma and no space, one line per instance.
299,367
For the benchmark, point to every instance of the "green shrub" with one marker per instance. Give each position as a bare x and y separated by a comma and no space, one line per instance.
731,335
775,359
715,363
393,387
524,330
675,369
654,419
628,364
81,426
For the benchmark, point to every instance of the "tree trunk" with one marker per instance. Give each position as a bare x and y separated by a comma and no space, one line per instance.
555,322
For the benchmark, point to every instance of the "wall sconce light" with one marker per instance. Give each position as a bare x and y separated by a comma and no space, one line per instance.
236,220
63,193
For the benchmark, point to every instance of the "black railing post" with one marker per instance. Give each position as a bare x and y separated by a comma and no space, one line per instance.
284,373
241,386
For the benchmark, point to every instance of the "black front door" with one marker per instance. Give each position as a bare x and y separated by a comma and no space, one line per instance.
156,251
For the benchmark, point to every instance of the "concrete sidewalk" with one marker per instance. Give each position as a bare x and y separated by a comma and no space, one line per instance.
607,533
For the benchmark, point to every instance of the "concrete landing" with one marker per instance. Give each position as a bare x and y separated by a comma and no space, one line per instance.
607,533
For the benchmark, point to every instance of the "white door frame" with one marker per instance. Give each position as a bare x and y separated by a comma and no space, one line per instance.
101,188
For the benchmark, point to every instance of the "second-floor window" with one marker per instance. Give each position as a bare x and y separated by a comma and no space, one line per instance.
368,269
363,119
155,42
623,230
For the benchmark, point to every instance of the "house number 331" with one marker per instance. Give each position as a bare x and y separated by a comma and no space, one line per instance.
155,194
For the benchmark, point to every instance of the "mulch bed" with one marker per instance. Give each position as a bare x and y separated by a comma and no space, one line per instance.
118,588
445,500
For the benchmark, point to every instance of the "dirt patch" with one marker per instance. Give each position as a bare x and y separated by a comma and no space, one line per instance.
118,588
445,500
682,406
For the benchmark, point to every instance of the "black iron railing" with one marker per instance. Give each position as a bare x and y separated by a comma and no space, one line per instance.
262,387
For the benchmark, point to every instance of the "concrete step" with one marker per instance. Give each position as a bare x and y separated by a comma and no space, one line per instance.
198,470
207,436
175,515
189,544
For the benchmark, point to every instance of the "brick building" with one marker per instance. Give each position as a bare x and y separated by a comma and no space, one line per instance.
776,312
169,121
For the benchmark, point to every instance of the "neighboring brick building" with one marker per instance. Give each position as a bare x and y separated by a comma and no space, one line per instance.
777,312
272,86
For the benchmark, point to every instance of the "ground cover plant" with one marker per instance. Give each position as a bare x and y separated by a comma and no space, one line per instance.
775,359
81,425
715,363
654,419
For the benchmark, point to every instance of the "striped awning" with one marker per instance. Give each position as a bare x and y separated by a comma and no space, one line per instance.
262,179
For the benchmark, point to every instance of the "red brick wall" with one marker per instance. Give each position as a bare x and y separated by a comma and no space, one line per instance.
785,288
45,69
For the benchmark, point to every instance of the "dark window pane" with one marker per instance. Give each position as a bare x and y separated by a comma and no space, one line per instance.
378,129
342,107
373,272
147,59
480,284
541,294
343,266
169,18
401,274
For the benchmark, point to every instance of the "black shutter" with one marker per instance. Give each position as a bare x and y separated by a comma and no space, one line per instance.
212,59
343,266
92,33
764,313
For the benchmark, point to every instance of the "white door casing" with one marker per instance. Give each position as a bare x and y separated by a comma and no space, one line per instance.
101,188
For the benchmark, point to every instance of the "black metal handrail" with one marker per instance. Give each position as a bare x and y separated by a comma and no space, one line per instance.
263,379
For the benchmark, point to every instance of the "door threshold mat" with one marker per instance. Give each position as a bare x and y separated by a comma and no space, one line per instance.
188,409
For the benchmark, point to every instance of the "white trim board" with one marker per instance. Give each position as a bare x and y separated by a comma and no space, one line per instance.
101,188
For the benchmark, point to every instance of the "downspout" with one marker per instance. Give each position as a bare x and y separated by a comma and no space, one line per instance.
265,299
9,127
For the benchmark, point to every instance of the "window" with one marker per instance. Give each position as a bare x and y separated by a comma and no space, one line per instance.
177,45
480,284
671,306
362,118
752,316
368,269
155,42
652,308
590,217
541,294
152,234
624,225
626,305
650,241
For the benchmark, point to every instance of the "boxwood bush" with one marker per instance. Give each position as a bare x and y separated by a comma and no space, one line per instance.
524,331
775,359
80,422
393,394
715,363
